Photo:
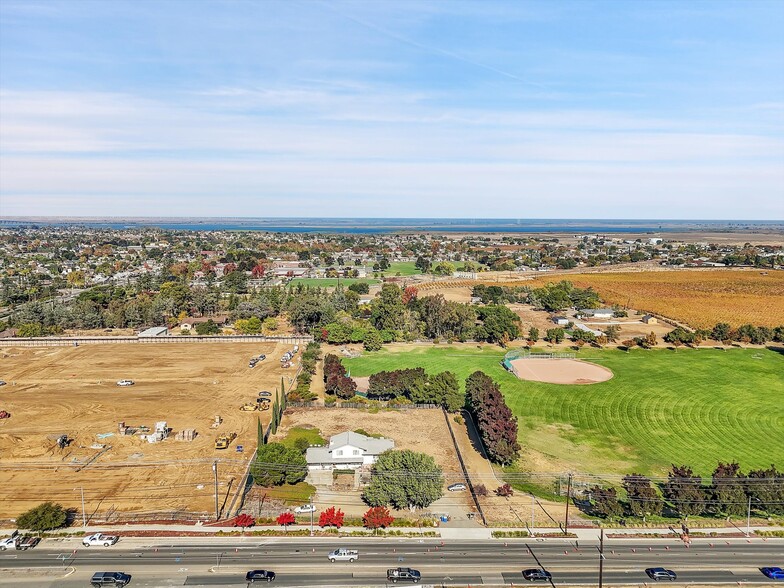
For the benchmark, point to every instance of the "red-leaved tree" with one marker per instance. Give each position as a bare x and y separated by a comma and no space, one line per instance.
285,519
244,520
258,270
409,294
377,517
331,518
228,268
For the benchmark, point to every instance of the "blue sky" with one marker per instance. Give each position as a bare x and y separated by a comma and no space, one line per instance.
448,109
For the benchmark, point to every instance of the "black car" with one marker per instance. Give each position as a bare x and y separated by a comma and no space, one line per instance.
661,574
405,574
535,574
259,576
100,579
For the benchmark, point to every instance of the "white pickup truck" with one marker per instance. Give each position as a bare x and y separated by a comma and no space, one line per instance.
343,555
99,539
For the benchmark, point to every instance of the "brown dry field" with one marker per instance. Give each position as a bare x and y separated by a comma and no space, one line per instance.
699,298
72,390
417,429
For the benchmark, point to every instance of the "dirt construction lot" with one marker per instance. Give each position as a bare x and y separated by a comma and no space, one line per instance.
73,391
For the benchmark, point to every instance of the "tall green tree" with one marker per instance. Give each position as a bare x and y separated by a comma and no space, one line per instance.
276,464
404,479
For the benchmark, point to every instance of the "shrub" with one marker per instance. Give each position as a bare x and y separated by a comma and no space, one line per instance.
44,517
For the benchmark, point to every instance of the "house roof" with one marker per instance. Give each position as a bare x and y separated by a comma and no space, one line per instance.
370,445
324,455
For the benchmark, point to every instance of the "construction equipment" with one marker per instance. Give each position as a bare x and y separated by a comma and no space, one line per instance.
216,423
262,403
223,441
248,407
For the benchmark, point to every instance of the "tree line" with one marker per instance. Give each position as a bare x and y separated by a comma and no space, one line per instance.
730,492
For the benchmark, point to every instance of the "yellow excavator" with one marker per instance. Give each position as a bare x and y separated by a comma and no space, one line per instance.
248,407
223,441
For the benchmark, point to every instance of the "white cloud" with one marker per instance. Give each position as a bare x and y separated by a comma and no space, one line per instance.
101,153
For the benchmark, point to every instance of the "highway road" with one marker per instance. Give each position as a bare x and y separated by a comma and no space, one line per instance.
298,562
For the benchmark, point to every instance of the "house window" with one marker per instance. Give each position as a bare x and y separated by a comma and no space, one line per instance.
356,452
339,452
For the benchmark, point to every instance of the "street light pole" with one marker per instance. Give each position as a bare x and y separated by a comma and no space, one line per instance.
601,555
748,520
311,516
215,470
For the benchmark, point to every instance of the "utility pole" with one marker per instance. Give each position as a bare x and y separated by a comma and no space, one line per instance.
215,470
568,497
84,514
601,555
533,501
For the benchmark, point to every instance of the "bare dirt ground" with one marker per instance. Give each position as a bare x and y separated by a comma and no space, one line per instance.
560,371
421,430
73,391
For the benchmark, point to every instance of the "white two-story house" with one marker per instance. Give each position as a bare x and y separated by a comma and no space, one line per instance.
347,451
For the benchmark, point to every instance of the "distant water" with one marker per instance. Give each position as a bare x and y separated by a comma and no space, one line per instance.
394,225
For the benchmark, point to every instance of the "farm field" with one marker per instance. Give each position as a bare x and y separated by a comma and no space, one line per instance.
73,390
694,407
699,298
330,282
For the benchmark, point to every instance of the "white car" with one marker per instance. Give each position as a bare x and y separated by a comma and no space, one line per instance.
456,487
305,508
2,382
100,539
125,383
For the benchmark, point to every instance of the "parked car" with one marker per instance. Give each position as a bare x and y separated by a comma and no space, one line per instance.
305,508
456,487
537,574
395,574
262,357
265,393
775,573
109,579
125,383
259,576
661,574
2,382
100,539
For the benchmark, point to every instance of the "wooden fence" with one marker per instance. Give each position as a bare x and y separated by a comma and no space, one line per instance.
76,341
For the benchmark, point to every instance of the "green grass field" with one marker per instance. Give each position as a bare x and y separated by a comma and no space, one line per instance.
692,407
406,268
330,282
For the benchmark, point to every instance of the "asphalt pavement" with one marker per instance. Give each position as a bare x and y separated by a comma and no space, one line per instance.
303,562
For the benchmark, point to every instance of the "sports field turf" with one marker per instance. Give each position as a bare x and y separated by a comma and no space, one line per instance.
406,268
692,407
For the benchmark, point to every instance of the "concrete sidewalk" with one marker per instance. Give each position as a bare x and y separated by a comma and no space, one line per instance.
444,532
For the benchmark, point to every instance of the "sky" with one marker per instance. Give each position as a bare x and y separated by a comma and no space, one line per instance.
477,109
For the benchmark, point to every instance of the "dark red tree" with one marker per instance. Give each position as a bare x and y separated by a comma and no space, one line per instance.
331,518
